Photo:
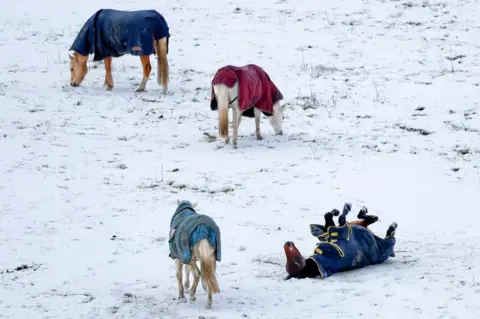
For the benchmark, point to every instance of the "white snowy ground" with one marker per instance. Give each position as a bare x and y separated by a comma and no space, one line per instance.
79,166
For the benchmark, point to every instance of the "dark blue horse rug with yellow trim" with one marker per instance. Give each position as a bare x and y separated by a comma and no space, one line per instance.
113,33
187,227
351,247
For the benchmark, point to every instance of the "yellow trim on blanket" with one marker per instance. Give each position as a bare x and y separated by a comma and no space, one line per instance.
335,233
340,251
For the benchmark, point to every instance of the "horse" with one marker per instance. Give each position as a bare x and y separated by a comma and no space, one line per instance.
194,237
249,91
112,33
351,245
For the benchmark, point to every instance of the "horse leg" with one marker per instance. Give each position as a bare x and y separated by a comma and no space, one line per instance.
181,291
187,275
147,67
258,115
108,73
196,278
237,118
329,218
369,219
391,230
342,220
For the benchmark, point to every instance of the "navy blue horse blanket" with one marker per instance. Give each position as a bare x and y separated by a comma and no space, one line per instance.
351,247
187,227
113,33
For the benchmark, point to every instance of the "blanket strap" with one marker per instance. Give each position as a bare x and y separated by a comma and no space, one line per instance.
185,208
236,98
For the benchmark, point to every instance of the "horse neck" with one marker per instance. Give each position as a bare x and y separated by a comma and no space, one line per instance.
182,211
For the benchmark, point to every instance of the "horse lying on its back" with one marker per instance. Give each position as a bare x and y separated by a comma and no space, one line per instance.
346,247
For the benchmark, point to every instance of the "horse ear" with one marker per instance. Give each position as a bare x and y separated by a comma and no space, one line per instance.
71,57
194,205
178,201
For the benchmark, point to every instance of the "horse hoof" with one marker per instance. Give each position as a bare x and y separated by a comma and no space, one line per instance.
192,299
182,300
335,212
363,211
259,137
347,206
235,146
140,90
391,230
208,307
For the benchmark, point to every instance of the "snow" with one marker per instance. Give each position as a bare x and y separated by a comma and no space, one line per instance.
89,178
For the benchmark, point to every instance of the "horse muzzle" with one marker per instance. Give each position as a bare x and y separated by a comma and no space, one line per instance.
290,248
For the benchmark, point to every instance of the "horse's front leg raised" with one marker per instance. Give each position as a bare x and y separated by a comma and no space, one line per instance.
342,219
258,115
147,67
181,291
237,118
108,73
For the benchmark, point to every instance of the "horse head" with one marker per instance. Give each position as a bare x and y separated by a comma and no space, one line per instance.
295,261
186,203
78,68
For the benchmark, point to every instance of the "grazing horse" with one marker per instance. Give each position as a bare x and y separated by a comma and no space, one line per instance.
113,33
250,92
194,236
346,247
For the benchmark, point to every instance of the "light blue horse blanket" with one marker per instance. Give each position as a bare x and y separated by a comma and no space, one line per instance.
113,33
187,227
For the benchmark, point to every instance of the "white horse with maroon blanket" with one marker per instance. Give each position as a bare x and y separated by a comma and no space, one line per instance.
250,92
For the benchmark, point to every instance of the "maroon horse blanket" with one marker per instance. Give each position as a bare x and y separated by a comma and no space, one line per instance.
255,89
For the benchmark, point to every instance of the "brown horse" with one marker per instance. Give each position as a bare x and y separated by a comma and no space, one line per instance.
351,245
114,33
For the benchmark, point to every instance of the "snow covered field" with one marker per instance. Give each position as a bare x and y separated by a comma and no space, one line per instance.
382,109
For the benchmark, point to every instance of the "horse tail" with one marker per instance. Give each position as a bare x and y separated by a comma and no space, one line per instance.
208,266
162,63
222,93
